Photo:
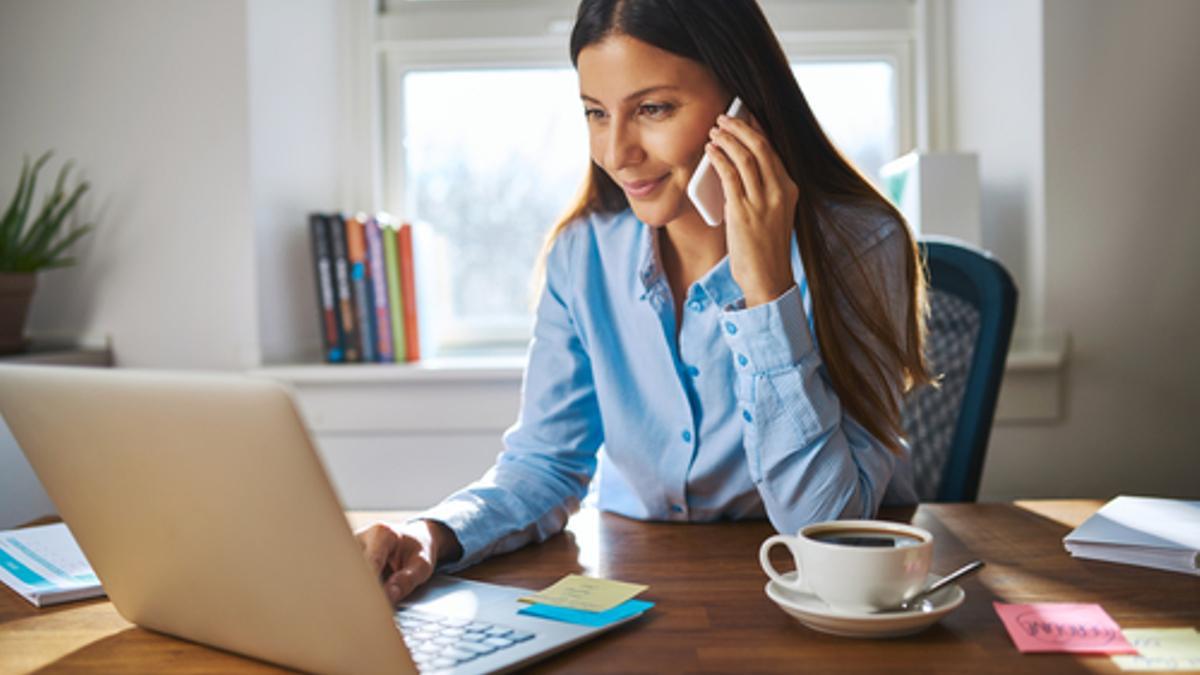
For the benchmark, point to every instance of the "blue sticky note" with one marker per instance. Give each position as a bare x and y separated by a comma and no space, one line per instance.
622,611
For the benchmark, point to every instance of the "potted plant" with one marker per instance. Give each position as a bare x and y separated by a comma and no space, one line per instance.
30,241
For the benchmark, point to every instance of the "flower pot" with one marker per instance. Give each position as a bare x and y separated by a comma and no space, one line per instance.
16,292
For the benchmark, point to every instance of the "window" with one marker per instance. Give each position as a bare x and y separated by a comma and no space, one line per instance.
491,159
855,102
485,143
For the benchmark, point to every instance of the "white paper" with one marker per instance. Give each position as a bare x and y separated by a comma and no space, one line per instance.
1143,521
45,565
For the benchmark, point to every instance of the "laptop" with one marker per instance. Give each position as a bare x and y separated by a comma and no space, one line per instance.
202,506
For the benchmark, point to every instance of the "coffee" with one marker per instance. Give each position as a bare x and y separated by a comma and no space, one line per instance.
865,538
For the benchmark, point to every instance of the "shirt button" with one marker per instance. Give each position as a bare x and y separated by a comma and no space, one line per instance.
742,360
730,327
696,306
693,371
675,508
746,416
687,436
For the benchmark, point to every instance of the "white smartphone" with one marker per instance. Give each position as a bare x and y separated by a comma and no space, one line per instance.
704,189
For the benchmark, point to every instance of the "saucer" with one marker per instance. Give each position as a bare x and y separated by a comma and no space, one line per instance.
811,611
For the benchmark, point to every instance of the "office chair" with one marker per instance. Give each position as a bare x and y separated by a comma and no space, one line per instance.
972,302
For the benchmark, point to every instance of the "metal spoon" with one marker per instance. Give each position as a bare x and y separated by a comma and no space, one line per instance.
918,599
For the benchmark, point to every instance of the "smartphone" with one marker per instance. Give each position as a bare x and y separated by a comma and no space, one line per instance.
704,189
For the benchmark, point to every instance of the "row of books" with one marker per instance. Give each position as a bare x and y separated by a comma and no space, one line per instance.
366,288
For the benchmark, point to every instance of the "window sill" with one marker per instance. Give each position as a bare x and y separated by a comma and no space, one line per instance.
1034,376
494,368
1032,390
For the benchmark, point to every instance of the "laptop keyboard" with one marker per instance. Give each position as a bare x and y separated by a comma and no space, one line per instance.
442,642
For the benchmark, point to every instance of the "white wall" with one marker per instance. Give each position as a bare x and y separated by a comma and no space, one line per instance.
150,99
998,112
208,128
1120,108
21,495
295,125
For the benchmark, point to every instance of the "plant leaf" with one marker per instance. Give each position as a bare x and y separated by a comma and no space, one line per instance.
23,205
27,245
10,227
53,198
50,259
43,232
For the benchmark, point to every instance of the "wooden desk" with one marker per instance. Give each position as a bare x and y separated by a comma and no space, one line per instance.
711,614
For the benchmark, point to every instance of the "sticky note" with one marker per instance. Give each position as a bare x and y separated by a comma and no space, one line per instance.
622,611
1063,627
587,593
1161,649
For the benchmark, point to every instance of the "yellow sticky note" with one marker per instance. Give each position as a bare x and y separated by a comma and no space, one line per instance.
587,593
1161,649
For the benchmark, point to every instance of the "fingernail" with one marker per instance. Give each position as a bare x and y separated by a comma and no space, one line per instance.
713,132
721,119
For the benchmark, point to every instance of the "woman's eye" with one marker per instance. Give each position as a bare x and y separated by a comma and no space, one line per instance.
593,113
655,109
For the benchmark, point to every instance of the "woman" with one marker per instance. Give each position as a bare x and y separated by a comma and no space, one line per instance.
749,369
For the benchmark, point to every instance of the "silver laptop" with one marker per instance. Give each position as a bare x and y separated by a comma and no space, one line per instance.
204,510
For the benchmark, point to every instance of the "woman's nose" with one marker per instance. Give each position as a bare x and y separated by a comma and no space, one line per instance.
624,146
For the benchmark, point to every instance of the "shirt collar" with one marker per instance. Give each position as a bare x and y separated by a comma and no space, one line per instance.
650,269
717,283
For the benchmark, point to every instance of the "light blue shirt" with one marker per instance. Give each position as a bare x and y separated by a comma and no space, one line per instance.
735,419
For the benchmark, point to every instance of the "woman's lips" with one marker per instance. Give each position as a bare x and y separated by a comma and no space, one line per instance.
641,188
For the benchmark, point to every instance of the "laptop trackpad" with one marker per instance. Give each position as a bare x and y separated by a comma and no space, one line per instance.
460,597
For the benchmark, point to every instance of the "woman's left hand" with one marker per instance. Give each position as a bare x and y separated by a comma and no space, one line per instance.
760,208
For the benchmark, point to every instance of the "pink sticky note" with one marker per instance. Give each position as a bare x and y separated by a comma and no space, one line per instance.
1063,627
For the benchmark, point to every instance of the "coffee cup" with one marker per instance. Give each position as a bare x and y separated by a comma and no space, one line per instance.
854,565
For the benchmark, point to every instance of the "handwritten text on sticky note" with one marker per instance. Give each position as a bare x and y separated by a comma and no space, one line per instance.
1063,627
1161,649
586,593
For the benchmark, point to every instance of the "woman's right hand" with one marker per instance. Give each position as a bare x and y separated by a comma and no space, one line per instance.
404,557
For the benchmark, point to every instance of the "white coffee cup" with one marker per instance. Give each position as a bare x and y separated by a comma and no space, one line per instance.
851,565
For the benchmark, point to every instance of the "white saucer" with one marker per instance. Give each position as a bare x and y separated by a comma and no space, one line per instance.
811,611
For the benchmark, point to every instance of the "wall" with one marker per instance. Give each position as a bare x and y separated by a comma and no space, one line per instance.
150,99
295,107
207,130
1120,106
998,112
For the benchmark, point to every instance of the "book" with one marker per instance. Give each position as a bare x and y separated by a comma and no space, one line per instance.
326,300
45,566
345,299
360,285
1145,531
408,290
396,309
384,347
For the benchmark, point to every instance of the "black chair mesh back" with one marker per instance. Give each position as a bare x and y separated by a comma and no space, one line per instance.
930,414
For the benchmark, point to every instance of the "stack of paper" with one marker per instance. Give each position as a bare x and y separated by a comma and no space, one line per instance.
45,565
1146,531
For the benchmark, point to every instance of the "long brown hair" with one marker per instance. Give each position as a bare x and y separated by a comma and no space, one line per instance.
733,39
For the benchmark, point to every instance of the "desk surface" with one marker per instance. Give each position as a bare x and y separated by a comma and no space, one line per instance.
711,613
